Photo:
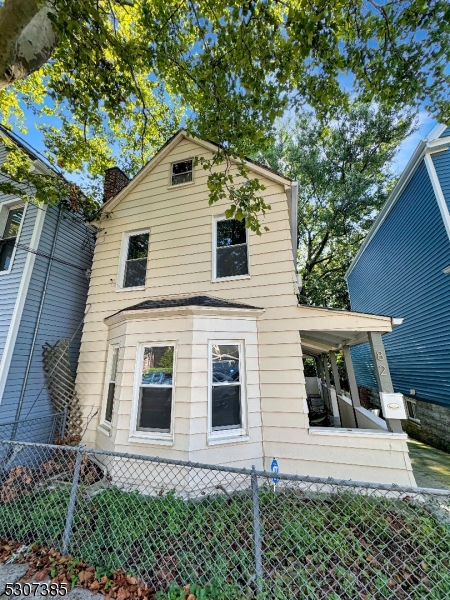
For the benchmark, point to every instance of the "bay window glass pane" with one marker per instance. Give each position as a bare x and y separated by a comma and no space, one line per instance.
182,172
232,261
225,363
110,401
155,409
157,368
226,406
136,261
231,232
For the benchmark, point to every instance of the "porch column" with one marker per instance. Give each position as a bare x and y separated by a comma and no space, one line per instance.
333,400
383,374
337,383
351,377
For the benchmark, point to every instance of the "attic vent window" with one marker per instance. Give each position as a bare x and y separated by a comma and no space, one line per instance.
182,172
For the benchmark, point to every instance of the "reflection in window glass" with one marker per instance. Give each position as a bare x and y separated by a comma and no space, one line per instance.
231,250
9,237
181,172
136,261
155,394
225,387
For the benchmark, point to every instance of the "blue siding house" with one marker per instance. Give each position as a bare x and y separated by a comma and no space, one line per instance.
403,269
45,257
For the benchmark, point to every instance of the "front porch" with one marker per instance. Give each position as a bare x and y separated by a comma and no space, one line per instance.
332,392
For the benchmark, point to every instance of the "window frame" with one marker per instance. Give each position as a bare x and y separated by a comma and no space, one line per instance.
5,209
123,259
216,220
414,403
238,434
178,185
152,437
106,425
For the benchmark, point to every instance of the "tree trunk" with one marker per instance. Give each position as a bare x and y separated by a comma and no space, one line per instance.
27,39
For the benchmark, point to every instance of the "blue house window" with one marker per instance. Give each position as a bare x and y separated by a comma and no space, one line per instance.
9,237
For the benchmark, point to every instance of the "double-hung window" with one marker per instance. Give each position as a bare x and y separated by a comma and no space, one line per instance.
154,411
226,388
134,259
230,249
111,383
182,172
9,236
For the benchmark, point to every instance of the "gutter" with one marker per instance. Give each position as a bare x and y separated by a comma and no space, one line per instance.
294,221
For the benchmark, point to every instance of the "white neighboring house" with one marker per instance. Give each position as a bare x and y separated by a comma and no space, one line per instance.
193,342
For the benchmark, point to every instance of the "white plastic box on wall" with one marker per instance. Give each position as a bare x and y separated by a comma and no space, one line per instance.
393,405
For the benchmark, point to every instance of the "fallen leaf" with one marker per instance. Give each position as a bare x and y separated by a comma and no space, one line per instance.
41,575
95,585
122,594
131,580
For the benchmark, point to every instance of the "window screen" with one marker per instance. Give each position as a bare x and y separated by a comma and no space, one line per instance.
136,260
225,387
181,172
231,250
155,393
112,384
9,237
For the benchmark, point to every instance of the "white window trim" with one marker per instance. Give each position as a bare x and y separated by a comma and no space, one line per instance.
187,183
214,278
228,436
106,426
151,437
413,419
123,257
5,208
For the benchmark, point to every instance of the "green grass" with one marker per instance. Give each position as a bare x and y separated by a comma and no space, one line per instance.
314,547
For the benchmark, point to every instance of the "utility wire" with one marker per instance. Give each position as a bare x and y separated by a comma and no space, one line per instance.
44,255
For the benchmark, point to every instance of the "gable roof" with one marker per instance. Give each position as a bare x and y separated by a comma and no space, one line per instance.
433,142
168,147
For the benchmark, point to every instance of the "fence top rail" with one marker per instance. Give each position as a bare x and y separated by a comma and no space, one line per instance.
240,471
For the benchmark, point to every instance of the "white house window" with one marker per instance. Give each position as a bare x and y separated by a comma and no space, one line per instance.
226,387
134,259
9,236
181,172
231,252
111,384
156,390
411,408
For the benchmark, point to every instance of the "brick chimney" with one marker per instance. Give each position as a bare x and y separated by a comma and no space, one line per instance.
115,180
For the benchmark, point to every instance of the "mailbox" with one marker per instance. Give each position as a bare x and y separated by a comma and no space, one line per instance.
393,406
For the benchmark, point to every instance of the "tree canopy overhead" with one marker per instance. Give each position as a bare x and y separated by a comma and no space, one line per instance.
120,75
345,173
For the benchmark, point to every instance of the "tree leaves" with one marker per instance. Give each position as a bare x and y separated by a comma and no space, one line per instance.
344,170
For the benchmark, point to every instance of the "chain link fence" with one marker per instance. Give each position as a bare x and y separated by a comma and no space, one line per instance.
166,521
38,429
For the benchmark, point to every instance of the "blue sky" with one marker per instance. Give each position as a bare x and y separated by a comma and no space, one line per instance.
426,124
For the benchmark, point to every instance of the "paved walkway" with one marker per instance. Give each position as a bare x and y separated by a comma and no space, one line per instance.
431,467
12,573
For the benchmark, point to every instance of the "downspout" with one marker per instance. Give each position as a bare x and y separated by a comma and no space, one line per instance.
294,221
36,328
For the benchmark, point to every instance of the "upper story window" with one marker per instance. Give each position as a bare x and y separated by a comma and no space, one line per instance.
9,236
230,249
182,172
133,263
155,390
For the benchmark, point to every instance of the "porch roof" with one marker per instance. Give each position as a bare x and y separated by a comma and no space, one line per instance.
327,329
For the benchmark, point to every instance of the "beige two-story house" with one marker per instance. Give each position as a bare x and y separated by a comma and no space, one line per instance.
194,339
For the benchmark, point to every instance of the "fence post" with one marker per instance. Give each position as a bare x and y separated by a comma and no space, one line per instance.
256,532
72,502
